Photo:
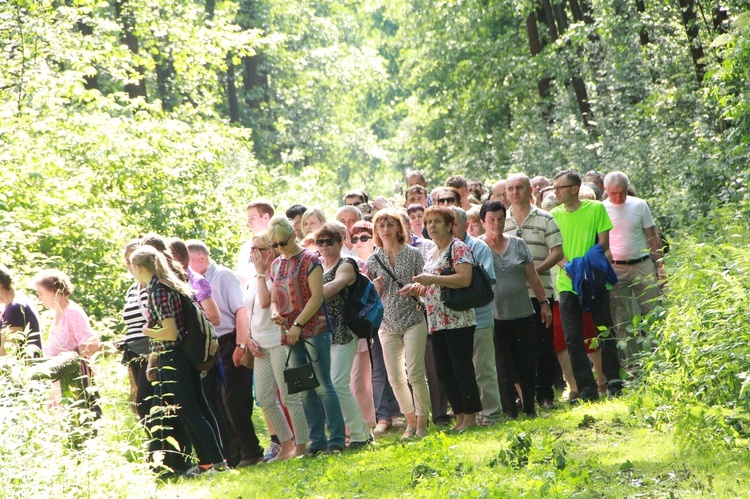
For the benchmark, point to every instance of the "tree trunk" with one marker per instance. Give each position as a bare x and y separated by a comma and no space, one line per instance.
234,108
254,81
535,46
549,19
690,21
640,6
126,19
575,8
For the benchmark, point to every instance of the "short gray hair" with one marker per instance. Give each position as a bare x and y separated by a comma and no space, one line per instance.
618,178
459,213
351,208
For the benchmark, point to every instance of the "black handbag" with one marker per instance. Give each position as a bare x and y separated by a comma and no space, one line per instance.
477,294
301,378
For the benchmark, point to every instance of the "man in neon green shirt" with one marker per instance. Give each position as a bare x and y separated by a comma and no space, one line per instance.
584,223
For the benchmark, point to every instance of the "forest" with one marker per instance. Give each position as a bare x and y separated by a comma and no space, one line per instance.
120,117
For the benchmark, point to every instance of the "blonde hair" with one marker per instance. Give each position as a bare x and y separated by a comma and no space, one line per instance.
54,280
155,262
263,238
280,227
310,212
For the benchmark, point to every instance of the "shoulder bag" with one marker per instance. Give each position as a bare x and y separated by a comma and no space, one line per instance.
477,294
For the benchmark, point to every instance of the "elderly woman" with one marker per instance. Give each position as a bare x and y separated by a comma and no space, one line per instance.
312,220
179,377
515,333
452,330
298,306
19,318
403,333
386,405
338,275
270,359
71,331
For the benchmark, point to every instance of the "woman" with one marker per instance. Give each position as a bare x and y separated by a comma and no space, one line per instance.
474,223
312,220
71,331
403,333
201,285
452,331
386,405
338,275
165,328
19,321
298,306
515,333
270,359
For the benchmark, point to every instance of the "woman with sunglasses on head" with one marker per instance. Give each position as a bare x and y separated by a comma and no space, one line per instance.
449,196
298,306
270,359
403,333
338,274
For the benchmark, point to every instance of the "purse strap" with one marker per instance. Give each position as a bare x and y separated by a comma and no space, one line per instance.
307,354
450,255
393,276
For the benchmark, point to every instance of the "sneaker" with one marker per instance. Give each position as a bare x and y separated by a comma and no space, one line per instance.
251,461
313,452
271,452
204,469
358,445
335,449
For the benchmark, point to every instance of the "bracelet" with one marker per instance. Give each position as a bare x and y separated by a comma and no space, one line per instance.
260,275
295,323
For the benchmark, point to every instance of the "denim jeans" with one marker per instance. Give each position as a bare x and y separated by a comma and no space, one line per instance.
321,405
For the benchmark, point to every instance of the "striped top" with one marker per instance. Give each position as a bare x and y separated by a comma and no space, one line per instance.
541,233
133,315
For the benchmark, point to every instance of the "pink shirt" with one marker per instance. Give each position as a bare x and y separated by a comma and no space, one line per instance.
70,332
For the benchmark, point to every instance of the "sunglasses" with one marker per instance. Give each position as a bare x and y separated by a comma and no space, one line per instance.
253,248
325,242
357,239
283,244
447,200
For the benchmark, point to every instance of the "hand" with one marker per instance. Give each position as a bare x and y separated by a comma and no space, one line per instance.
407,290
277,319
292,335
378,282
546,314
254,349
380,203
237,356
424,279
258,261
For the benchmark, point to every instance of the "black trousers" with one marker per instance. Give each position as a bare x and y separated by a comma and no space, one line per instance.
515,347
571,316
237,397
453,350
547,366
438,398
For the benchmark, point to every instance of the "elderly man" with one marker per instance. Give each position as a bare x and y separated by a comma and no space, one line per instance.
348,215
584,223
499,192
484,335
636,251
234,332
543,238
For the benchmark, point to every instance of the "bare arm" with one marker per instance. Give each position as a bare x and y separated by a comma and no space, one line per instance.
603,239
315,281
461,279
168,331
532,279
243,334
555,255
657,252
345,276
211,309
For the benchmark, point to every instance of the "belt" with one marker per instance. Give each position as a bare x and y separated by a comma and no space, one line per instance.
631,262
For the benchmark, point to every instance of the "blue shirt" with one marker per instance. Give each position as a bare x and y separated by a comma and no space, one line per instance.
483,254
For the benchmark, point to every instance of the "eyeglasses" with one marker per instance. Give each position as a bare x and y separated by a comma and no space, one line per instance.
325,242
282,244
561,187
364,239
447,200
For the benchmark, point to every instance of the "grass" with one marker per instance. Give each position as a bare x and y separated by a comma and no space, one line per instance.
613,448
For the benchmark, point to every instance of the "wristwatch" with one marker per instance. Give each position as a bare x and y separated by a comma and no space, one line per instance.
241,345
260,275
295,323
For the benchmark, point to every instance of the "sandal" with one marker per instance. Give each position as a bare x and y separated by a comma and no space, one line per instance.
382,426
410,432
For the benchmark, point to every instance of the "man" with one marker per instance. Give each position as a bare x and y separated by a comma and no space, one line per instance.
542,235
538,183
415,177
294,213
596,178
476,189
498,192
459,183
416,194
583,223
259,213
348,215
634,245
484,335
355,197
233,332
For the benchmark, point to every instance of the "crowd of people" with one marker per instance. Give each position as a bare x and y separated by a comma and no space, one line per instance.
571,259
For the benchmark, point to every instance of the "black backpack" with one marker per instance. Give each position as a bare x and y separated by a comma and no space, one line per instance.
364,310
201,344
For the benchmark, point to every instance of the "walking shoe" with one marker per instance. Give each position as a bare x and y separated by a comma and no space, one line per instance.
205,469
547,404
382,426
335,449
615,388
314,452
251,461
272,451
358,445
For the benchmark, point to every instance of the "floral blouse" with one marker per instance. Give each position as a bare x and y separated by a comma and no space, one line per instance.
341,333
399,312
438,315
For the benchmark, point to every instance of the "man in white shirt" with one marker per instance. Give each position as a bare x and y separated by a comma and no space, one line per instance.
259,213
636,253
